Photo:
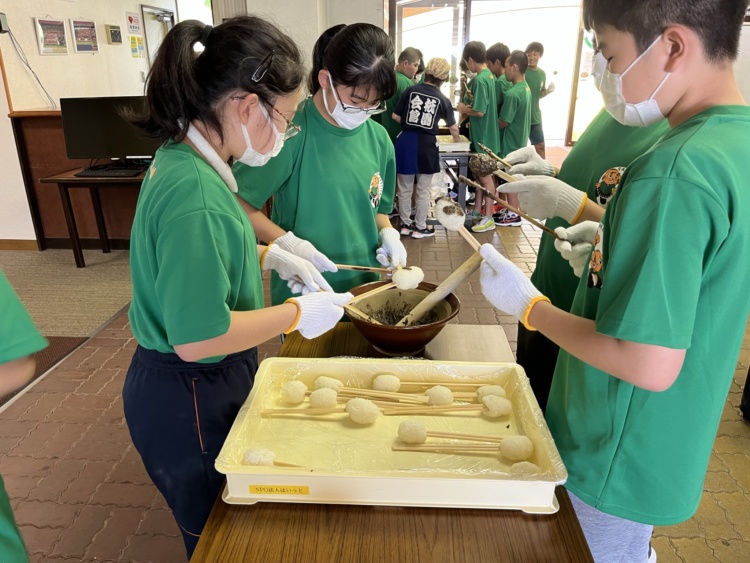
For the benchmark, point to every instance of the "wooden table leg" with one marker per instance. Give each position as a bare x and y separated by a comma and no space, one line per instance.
97,203
72,230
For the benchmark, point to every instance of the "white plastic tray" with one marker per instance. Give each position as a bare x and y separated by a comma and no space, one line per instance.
344,463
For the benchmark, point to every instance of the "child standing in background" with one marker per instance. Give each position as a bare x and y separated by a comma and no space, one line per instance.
418,111
514,121
482,114
536,78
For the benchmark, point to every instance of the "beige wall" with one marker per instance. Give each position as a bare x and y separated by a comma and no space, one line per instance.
113,71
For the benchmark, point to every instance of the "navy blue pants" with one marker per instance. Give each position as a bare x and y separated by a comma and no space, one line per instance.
179,414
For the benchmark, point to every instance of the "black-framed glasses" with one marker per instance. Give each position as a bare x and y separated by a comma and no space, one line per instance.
263,67
379,108
291,128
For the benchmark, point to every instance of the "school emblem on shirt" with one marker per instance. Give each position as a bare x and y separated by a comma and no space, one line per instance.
376,190
607,184
595,264
422,110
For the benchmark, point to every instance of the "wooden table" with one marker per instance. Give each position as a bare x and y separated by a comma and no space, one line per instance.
284,533
68,180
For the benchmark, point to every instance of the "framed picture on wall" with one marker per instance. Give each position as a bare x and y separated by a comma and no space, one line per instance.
51,37
84,36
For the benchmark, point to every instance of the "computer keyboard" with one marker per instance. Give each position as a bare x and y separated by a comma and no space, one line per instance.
109,172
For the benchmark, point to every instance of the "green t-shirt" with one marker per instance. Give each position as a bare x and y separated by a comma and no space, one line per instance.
18,338
536,79
193,254
595,165
484,129
328,184
402,83
502,85
18,335
670,268
516,112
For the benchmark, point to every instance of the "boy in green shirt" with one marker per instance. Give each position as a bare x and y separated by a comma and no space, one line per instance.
406,70
514,121
496,57
536,78
19,338
650,346
482,114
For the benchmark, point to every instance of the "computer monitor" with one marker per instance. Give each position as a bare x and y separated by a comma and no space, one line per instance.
95,128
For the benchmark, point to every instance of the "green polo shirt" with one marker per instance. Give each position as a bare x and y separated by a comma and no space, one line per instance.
536,79
484,129
193,254
516,111
670,268
402,83
594,165
328,183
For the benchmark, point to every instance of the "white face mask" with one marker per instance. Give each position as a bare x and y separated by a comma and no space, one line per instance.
345,119
251,157
470,75
641,114
597,69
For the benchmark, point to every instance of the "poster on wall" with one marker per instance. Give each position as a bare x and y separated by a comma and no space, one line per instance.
134,46
84,36
141,48
135,25
50,36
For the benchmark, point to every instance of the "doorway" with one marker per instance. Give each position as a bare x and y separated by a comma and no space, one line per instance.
156,24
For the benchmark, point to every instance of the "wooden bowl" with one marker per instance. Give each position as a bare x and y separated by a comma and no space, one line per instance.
402,340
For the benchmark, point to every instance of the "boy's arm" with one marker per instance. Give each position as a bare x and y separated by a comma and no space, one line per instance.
15,374
508,112
650,367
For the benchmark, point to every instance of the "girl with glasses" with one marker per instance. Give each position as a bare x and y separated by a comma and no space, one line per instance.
334,183
197,310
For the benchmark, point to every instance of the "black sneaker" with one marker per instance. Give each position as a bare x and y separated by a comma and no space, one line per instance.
423,233
499,217
509,219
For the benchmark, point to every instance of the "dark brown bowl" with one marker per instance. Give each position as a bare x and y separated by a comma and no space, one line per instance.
402,340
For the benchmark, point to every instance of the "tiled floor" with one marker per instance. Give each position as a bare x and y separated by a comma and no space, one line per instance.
80,493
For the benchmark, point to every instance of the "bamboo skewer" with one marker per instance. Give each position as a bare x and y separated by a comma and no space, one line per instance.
508,206
493,155
371,292
449,449
352,311
389,395
365,268
285,464
448,384
433,410
445,288
282,412
455,435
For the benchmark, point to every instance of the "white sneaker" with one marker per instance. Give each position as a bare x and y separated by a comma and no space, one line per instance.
485,224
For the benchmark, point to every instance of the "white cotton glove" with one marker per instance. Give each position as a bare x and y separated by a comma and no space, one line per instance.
550,87
305,249
507,287
578,243
318,312
527,161
392,252
543,197
293,269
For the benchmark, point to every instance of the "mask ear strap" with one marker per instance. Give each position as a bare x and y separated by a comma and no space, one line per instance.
659,86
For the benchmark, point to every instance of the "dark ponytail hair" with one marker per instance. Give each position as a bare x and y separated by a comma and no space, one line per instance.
317,57
359,54
184,85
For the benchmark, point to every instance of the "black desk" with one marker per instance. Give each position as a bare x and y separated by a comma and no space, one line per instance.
65,182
